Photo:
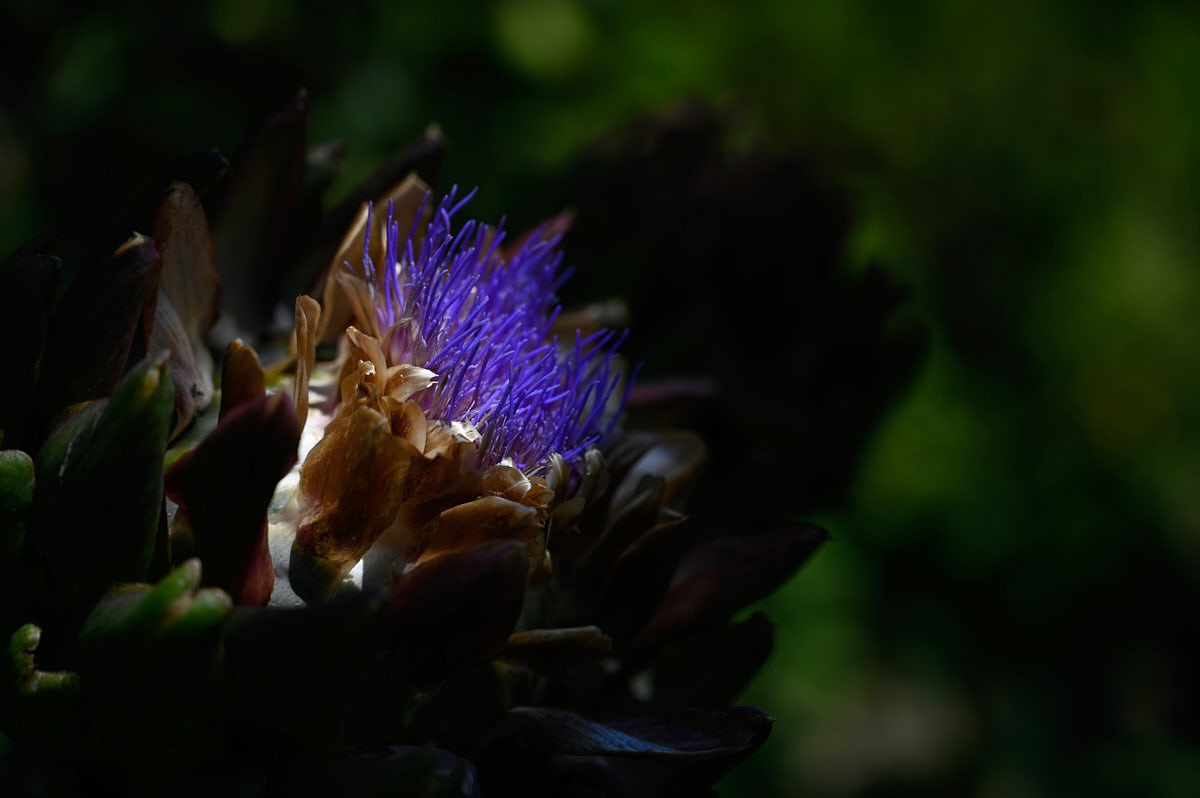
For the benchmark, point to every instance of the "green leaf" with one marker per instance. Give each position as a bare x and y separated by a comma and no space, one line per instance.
100,489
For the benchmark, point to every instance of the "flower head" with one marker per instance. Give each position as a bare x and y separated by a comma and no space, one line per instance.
481,318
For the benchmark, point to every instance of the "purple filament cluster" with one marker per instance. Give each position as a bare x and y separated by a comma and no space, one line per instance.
481,319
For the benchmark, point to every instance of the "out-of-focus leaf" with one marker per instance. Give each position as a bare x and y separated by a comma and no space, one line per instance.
100,489
457,610
224,486
287,670
256,204
727,574
28,279
88,343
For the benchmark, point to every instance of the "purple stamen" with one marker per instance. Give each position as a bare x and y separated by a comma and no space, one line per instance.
482,323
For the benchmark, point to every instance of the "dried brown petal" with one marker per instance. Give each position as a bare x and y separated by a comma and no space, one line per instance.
408,422
366,347
308,315
358,296
482,520
340,304
507,482
401,382
351,486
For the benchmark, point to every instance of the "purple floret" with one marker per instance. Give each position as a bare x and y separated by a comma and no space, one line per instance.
482,322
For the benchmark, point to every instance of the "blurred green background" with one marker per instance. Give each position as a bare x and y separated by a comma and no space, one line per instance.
1009,604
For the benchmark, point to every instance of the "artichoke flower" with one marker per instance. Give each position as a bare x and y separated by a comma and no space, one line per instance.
420,556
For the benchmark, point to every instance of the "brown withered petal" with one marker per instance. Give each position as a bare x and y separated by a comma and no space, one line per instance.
727,574
308,317
224,486
351,487
486,519
401,382
242,377
545,650
445,477
366,348
406,197
506,481
408,421
358,297
459,610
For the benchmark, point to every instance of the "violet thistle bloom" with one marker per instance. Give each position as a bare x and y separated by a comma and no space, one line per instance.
463,417
453,303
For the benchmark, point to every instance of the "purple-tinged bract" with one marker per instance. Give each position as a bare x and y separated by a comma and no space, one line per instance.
481,319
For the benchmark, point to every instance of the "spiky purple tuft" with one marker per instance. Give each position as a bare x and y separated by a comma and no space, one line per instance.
454,304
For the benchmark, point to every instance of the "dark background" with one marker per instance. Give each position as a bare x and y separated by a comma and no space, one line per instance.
1008,607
